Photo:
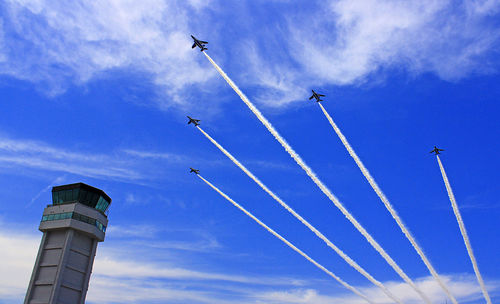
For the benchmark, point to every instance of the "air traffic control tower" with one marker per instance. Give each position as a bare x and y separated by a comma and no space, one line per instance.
72,226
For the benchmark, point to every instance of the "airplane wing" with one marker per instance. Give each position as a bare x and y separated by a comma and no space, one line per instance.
431,151
202,41
194,45
311,97
321,95
441,149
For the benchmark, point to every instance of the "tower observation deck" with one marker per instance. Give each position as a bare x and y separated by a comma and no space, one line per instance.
72,226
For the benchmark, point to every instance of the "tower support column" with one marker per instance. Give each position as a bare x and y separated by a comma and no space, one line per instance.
71,228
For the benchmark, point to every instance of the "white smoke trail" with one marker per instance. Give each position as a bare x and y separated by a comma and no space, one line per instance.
388,205
57,180
351,262
316,180
463,231
346,285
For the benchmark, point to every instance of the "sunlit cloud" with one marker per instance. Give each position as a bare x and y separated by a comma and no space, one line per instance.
63,43
137,278
355,42
346,43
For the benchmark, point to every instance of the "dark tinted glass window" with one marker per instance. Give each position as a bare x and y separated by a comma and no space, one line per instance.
55,198
84,218
83,196
59,197
70,195
75,216
95,198
63,195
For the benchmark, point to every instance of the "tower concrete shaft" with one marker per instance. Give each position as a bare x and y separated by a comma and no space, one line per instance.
72,226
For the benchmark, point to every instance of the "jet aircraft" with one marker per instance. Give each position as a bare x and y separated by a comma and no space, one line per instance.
317,96
195,171
436,150
193,121
199,43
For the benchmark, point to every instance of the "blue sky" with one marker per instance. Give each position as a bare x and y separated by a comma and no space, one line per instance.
99,93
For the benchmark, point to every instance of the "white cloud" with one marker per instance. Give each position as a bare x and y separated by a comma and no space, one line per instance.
464,288
144,231
338,43
138,278
126,271
482,7
277,83
39,155
347,42
156,155
126,165
3,57
75,41
138,167
121,165
18,253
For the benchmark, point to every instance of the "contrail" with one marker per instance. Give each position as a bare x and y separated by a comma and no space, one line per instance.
57,180
463,231
316,180
388,205
346,285
351,262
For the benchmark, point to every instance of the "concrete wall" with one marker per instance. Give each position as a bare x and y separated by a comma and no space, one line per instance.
65,258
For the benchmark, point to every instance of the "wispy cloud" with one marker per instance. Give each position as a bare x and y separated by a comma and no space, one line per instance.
20,252
128,165
39,155
55,43
3,56
463,287
121,165
136,278
144,231
172,157
348,42
156,155
58,180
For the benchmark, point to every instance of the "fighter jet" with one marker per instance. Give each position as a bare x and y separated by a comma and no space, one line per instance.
317,96
199,43
193,121
436,150
195,171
